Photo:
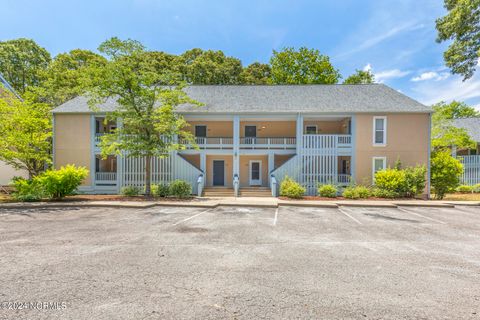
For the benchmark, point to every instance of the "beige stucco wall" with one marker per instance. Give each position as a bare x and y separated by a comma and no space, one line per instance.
72,141
228,169
270,129
245,169
328,127
193,159
280,159
219,129
407,140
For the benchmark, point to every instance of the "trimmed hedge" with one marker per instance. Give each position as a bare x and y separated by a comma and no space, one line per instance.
327,190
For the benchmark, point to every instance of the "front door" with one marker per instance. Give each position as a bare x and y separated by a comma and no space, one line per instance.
250,134
255,172
218,172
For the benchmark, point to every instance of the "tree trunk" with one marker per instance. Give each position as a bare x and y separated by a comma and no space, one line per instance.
148,160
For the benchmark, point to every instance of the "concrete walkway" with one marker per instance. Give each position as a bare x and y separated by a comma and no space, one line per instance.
242,201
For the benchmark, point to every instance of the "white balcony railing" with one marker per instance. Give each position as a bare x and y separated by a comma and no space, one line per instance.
106,176
268,142
344,179
98,138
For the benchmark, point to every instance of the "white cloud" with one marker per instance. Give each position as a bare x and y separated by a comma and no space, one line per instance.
448,89
431,75
373,41
390,74
368,67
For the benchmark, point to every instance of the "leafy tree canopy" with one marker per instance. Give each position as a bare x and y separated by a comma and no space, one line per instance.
462,25
360,77
22,62
146,106
209,67
256,73
26,130
302,66
63,78
444,134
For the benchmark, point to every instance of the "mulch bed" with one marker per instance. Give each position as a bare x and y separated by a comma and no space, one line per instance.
113,197
316,198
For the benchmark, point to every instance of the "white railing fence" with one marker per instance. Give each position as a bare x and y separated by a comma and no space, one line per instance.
163,171
471,169
105,176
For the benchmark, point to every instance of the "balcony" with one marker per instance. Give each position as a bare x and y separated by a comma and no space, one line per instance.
268,143
105,178
245,143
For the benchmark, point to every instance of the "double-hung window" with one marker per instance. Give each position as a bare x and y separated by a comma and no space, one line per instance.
378,163
379,131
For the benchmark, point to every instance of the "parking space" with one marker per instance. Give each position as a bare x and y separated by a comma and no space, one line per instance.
235,262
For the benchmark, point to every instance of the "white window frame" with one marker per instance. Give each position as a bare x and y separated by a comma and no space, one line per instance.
384,160
374,130
311,125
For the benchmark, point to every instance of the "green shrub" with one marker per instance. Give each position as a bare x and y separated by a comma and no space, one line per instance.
291,189
445,173
356,192
465,189
57,184
391,180
380,193
327,190
476,188
160,190
130,191
394,183
180,189
416,179
26,190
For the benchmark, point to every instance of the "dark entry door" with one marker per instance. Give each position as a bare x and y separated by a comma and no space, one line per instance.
250,131
218,172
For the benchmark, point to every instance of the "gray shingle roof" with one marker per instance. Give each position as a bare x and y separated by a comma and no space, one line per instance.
283,99
471,125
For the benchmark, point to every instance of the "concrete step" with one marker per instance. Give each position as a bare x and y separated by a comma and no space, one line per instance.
218,192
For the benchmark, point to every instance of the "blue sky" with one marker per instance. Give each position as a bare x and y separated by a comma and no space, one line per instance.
395,39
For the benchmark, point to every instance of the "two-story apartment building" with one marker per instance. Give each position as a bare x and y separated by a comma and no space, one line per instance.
253,136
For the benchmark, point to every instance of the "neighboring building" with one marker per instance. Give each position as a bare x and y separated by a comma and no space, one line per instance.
7,172
470,158
253,136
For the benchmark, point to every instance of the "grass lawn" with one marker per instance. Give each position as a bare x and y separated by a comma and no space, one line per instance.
463,197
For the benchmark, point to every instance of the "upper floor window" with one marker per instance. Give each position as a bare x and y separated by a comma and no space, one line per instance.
310,129
379,131
201,131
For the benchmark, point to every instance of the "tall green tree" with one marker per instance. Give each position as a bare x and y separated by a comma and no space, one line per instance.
444,134
462,26
360,77
63,78
256,73
25,131
146,106
22,62
209,67
302,66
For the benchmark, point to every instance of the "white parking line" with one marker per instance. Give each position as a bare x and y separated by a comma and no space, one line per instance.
348,215
276,217
196,215
420,215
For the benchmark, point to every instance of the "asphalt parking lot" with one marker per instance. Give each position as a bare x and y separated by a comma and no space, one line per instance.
245,263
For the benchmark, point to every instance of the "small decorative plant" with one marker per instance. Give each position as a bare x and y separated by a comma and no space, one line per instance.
291,189
327,190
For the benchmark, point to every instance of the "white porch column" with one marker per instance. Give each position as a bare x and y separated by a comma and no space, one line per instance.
236,145
120,169
299,133
271,164
92,148
353,133
203,162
